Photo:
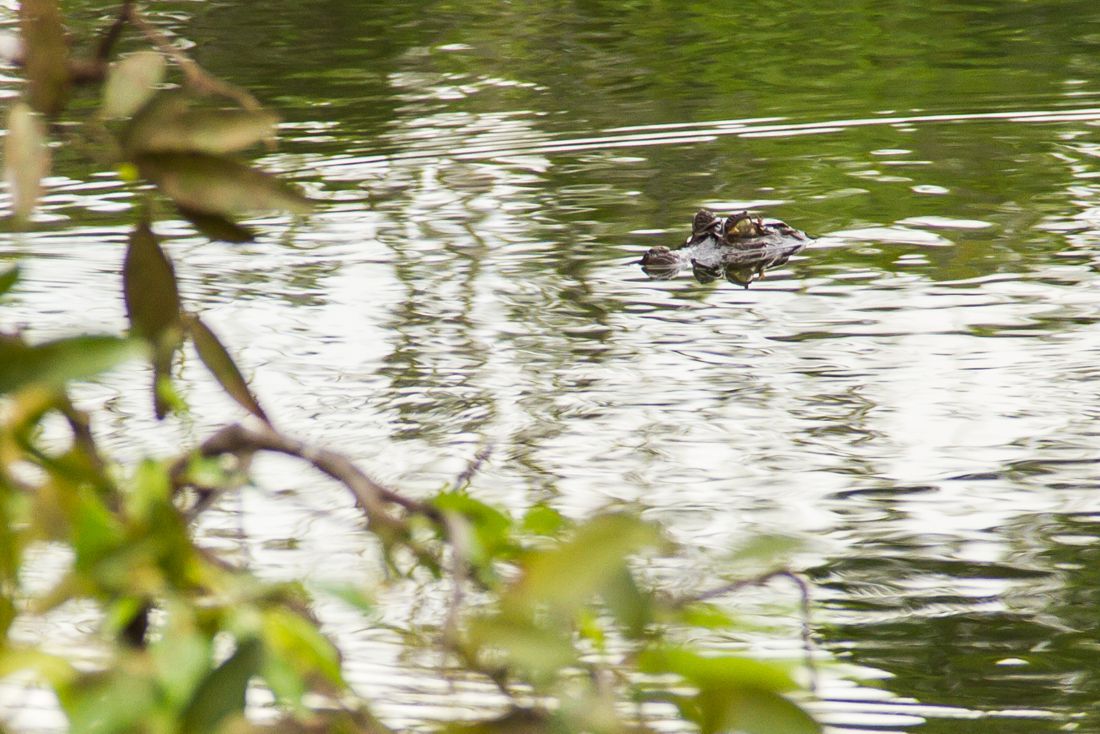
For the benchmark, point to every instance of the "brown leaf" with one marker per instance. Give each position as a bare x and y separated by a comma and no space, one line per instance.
46,54
174,128
26,159
131,82
217,227
153,305
218,360
216,185
149,286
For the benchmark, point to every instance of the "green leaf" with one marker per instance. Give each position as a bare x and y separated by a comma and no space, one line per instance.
115,702
182,658
747,711
217,227
165,396
26,159
766,712
131,82
568,576
543,520
222,692
216,185
47,54
218,360
150,491
95,532
704,615
57,362
354,596
540,652
53,670
8,279
296,641
491,527
632,608
724,672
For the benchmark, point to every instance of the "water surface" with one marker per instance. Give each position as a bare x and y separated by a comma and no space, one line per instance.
914,397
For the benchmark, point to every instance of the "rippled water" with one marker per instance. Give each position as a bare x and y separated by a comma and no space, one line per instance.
914,397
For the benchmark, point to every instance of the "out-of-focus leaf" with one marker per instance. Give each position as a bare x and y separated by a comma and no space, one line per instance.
153,305
165,395
748,710
217,359
57,362
516,721
47,54
51,669
765,712
767,551
182,658
217,185
149,286
543,520
200,130
354,596
94,531
632,608
150,491
217,227
159,110
222,693
7,614
704,615
733,693
109,703
568,576
724,672
26,158
131,82
296,641
490,526
8,279
540,652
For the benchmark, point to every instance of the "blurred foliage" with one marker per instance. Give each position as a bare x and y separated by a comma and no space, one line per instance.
565,624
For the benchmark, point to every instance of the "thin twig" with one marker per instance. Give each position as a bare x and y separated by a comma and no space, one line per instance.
804,595
196,76
473,467
458,532
372,497
113,33
82,433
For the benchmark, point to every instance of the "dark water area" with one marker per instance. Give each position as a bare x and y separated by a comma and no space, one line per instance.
913,398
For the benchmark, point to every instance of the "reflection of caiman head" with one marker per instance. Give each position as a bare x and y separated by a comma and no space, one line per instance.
740,248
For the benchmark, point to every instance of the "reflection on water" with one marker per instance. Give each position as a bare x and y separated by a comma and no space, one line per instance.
914,396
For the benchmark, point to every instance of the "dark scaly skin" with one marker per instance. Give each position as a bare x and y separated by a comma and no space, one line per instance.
740,248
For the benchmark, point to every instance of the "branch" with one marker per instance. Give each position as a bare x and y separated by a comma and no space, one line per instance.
372,497
113,33
473,467
804,596
196,76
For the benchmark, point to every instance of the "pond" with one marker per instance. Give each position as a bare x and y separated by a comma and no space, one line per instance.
913,399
